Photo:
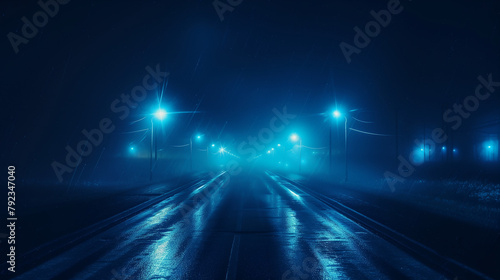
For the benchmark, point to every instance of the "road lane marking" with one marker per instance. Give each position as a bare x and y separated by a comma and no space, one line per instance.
233,258
235,248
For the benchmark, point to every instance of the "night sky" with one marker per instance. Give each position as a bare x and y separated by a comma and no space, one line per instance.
229,75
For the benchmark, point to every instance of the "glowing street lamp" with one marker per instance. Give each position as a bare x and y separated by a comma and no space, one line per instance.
160,114
294,137
198,138
337,114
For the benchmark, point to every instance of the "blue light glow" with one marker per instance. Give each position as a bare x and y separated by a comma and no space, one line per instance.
417,156
489,150
296,195
160,114
294,137
336,113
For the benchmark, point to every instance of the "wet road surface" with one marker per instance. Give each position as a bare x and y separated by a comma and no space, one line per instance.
249,226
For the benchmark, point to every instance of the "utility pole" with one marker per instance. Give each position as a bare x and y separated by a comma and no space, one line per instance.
156,146
300,155
397,133
346,153
191,148
330,154
151,152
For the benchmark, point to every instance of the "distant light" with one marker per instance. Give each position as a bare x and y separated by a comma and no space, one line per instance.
294,137
422,149
454,150
336,113
213,145
131,148
160,114
294,193
279,145
222,150
272,149
443,148
490,150
268,151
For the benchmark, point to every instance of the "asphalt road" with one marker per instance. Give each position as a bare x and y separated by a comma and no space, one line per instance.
249,226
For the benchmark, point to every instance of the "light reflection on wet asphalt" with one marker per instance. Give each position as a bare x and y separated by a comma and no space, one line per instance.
247,227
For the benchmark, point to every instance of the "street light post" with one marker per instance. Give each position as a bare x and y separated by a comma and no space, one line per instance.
198,138
156,146
300,155
294,138
159,114
208,156
345,148
330,154
337,114
151,151
191,149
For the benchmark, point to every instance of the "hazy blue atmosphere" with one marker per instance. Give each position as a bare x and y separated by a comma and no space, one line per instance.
118,114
